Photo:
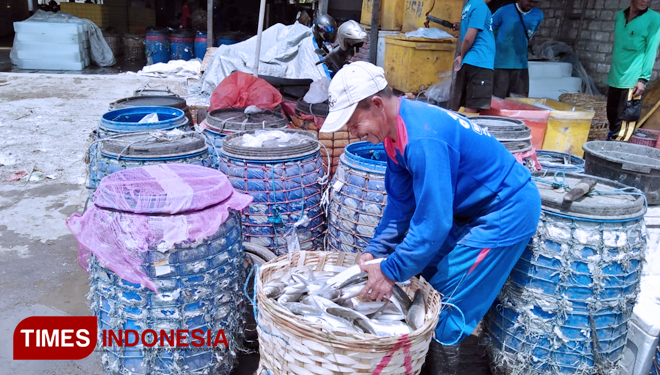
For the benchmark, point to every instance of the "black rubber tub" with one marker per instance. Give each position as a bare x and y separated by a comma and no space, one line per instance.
627,163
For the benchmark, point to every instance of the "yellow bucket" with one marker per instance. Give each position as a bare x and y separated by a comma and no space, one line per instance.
414,64
414,12
568,126
391,14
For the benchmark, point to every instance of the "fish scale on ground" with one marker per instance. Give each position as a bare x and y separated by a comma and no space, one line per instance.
331,300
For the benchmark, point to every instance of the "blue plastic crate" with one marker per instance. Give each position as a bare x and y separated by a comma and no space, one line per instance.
202,290
283,191
357,197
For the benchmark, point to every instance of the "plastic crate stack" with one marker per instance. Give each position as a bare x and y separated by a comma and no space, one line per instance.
51,45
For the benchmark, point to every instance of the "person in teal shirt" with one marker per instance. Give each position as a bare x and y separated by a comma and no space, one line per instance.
636,40
475,64
514,25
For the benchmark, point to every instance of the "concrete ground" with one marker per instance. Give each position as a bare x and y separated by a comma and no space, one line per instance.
45,126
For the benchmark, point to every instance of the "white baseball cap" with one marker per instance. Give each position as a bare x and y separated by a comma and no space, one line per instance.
352,83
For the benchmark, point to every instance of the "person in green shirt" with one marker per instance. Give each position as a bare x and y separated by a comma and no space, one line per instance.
636,40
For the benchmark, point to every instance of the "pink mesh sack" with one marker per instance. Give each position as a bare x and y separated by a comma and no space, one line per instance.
152,206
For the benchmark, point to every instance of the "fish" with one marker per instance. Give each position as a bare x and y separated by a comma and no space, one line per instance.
417,312
400,298
299,308
330,300
274,289
353,316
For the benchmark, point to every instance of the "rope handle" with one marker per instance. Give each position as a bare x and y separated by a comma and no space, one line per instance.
253,301
460,335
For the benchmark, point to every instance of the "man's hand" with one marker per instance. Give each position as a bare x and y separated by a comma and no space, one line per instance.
458,61
378,285
639,89
364,258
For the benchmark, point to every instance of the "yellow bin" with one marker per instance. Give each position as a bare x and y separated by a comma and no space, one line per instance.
414,64
414,12
568,126
391,14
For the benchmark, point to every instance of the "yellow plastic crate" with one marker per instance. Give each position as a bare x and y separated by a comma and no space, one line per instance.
414,13
568,126
97,13
414,64
391,14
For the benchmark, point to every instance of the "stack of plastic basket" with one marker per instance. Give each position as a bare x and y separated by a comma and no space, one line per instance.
221,122
285,175
162,245
566,305
357,197
124,121
289,344
514,135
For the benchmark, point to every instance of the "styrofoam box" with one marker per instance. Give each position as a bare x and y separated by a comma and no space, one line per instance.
45,47
71,56
52,38
51,64
553,87
548,69
49,27
643,331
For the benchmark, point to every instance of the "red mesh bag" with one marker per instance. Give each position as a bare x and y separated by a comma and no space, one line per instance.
241,90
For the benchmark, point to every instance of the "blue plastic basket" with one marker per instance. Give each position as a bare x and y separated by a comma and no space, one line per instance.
201,290
357,197
566,305
559,161
127,120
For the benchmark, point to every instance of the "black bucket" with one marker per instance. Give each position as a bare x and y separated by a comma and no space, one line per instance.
630,164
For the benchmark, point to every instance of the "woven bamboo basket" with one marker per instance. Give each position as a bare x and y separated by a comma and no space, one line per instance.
334,142
289,345
600,127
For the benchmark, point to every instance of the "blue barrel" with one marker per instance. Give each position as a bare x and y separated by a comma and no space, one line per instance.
182,45
357,197
199,280
157,46
655,370
200,45
221,122
286,180
558,161
136,150
127,120
566,305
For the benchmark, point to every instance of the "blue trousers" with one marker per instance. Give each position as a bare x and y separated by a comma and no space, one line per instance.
469,278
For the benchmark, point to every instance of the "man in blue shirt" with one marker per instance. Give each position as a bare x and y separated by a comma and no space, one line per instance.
460,209
514,26
475,63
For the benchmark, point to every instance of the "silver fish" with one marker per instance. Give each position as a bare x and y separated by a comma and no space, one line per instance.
301,309
400,298
360,278
293,297
417,312
353,316
390,328
274,289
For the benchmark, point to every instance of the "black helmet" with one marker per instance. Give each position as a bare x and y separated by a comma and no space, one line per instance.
325,29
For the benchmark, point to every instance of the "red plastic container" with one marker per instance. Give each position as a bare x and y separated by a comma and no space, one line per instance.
650,139
534,117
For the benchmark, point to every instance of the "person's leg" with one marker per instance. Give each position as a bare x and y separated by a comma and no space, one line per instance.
470,279
615,105
519,84
501,83
458,98
479,91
